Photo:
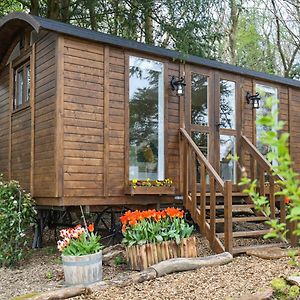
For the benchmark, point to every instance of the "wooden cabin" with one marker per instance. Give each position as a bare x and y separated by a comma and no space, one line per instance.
82,113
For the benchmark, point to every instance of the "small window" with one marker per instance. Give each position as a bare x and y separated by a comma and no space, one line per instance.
22,86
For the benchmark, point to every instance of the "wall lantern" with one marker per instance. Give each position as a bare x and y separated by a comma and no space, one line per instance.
178,85
253,99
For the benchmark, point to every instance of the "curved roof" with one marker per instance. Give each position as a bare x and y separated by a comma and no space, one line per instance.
10,27
12,23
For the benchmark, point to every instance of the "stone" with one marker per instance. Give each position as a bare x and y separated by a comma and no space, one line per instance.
261,295
269,253
294,280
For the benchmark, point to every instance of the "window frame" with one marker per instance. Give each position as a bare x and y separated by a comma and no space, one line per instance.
23,67
163,114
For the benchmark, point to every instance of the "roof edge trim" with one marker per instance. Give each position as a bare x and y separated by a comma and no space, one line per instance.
23,17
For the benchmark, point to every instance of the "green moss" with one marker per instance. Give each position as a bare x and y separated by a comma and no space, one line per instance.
26,296
294,292
279,284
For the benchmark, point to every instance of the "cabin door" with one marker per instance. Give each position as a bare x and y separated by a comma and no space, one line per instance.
211,117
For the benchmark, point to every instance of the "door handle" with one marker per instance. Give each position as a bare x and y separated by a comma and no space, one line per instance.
218,125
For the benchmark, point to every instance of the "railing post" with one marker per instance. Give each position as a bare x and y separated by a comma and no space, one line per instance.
272,196
202,199
212,215
228,216
185,174
194,186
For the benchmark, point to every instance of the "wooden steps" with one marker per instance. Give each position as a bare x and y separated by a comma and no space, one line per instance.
239,234
234,206
240,250
243,219
234,194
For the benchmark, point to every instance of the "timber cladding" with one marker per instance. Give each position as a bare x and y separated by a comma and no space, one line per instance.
4,121
70,146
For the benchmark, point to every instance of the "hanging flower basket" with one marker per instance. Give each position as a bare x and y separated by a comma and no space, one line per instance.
152,236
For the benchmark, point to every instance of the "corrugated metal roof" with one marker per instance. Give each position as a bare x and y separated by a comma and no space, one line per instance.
41,23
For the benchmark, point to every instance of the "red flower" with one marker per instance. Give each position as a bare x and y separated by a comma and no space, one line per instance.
287,200
91,227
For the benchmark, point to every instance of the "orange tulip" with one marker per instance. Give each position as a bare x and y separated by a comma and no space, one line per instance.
91,228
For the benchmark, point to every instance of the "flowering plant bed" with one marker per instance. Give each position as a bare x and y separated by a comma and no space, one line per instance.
151,187
152,236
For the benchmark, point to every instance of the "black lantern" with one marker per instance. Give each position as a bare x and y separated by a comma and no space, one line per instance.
178,85
253,99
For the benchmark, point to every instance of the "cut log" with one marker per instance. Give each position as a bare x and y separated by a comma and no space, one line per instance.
64,293
294,280
173,265
186,264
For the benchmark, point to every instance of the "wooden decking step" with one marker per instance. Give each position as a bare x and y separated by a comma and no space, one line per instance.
234,206
245,233
243,219
239,250
234,194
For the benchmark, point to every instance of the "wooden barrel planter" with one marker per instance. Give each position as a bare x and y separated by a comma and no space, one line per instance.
85,269
141,257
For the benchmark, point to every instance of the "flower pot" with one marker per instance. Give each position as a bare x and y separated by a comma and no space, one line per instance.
140,257
85,269
150,190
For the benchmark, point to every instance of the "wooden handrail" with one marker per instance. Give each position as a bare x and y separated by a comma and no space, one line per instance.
264,166
261,160
191,154
202,158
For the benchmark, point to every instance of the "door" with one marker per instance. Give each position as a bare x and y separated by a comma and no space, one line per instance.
211,117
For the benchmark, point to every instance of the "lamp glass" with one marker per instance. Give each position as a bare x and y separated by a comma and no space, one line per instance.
179,90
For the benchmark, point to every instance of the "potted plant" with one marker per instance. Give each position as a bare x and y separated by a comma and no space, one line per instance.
81,255
151,187
151,236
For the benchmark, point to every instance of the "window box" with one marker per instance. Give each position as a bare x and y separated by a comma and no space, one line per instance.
150,190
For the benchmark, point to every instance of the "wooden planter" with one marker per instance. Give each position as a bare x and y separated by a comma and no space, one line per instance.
85,269
141,257
151,190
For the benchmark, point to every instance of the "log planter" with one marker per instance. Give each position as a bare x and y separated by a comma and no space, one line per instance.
140,257
150,190
82,270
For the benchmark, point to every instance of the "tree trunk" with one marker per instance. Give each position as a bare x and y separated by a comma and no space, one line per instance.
234,15
53,10
148,21
34,7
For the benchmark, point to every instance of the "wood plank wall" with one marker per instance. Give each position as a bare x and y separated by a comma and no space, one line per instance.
21,147
4,120
294,122
45,106
83,118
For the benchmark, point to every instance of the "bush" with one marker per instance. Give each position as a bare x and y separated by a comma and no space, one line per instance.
17,212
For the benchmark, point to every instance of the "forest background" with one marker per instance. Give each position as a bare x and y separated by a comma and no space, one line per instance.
263,35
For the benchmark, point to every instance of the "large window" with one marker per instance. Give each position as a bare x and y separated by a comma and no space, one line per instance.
146,119
22,86
265,93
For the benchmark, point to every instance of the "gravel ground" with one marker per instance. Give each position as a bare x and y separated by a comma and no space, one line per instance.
42,271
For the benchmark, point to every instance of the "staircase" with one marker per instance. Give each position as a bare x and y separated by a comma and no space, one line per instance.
222,214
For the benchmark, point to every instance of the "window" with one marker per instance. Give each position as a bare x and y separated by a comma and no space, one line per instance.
146,119
265,93
22,86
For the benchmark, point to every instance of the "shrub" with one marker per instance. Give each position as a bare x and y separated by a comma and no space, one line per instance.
17,212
